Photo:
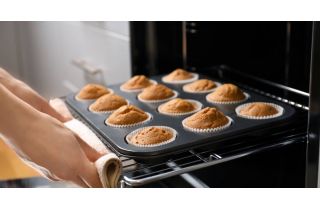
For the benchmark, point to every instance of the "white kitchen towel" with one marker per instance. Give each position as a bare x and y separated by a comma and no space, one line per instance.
108,166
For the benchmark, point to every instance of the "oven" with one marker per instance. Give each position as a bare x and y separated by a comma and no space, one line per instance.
277,60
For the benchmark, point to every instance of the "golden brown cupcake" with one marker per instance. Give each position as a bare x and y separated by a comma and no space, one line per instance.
92,91
178,75
108,102
127,115
258,109
156,92
151,135
207,118
137,82
200,85
177,105
226,93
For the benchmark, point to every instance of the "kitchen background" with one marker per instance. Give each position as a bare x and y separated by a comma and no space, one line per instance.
56,58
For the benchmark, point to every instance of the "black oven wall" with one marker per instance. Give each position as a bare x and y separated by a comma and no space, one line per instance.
275,51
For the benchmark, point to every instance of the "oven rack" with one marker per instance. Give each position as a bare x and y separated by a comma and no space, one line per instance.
137,174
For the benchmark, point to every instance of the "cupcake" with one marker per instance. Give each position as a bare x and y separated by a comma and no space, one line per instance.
179,106
208,119
127,115
107,103
259,110
151,136
226,93
180,76
157,92
137,82
199,86
92,91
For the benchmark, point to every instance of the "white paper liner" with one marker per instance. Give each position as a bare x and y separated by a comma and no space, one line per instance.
208,130
277,107
105,112
228,102
173,131
196,103
137,90
201,92
194,77
79,99
129,125
175,94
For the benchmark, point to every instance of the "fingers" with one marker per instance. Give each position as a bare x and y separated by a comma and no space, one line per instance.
89,176
80,182
90,152
59,105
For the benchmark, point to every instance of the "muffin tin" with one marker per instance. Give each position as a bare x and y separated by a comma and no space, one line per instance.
185,139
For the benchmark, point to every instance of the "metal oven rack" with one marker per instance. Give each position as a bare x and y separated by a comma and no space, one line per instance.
137,174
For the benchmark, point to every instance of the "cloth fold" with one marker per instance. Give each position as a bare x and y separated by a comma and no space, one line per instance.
108,166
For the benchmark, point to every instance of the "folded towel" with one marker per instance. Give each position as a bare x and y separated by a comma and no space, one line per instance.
108,166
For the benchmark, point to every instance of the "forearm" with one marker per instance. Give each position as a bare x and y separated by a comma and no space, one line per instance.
14,114
27,94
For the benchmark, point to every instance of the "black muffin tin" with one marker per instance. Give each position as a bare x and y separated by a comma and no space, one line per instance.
185,139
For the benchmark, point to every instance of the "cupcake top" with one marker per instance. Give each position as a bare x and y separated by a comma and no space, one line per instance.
177,75
156,92
200,85
258,109
206,118
177,105
226,93
137,82
151,135
108,102
126,115
92,91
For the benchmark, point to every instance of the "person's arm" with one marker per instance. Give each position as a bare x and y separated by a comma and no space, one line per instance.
27,94
45,141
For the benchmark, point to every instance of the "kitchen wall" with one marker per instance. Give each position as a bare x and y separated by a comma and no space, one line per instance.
45,51
9,48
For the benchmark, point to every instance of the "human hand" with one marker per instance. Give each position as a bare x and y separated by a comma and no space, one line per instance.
60,151
44,140
59,106
27,94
